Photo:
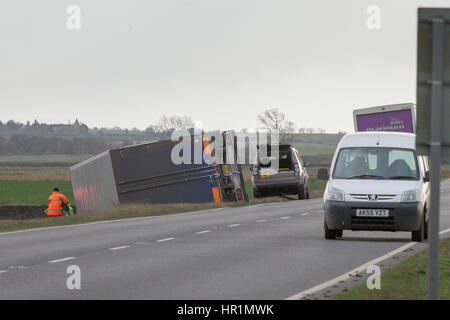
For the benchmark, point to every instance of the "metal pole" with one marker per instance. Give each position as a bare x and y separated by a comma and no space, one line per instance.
435,154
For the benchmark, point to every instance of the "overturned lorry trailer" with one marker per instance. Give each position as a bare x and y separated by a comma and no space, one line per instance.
147,173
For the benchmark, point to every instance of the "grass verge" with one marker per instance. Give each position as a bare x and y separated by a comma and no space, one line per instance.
407,280
124,211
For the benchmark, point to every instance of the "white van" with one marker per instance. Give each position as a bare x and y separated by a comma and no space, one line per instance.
377,182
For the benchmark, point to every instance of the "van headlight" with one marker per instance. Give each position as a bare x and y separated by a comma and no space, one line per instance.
334,194
411,196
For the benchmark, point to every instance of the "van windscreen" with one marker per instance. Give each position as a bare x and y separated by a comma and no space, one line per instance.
376,163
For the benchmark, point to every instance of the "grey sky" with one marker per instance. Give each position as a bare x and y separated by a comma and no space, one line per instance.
220,62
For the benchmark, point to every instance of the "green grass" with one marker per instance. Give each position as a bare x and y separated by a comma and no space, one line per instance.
33,193
249,189
314,149
317,187
407,280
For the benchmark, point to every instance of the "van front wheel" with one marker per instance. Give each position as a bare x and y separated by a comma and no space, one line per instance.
329,233
419,234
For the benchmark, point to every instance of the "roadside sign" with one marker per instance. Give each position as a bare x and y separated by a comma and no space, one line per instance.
433,116
433,32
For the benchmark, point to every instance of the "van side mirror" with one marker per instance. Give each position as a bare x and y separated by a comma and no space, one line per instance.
322,174
250,168
306,164
426,178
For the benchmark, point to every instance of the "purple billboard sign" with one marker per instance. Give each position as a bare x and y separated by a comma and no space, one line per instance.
400,121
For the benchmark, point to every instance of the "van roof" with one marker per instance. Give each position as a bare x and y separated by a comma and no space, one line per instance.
379,139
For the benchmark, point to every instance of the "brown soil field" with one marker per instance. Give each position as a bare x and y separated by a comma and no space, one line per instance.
23,212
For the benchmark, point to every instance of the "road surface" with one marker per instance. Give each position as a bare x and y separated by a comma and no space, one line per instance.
269,251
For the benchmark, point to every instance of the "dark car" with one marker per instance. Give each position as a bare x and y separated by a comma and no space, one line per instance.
289,177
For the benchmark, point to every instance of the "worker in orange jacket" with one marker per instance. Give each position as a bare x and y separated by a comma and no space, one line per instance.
56,202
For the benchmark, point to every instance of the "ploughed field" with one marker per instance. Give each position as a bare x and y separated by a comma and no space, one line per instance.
24,190
22,212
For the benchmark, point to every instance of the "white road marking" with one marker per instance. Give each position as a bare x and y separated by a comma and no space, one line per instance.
261,220
359,269
61,260
166,239
233,225
346,275
118,248
202,232
282,218
17,267
257,205
141,242
3,271
305,214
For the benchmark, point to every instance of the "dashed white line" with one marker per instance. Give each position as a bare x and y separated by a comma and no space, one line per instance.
234,225
305,214
3,271
118,248
202,232
17,268
61,260
166,239
283,218
261,220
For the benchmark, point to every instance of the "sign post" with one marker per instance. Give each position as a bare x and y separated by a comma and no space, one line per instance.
433,117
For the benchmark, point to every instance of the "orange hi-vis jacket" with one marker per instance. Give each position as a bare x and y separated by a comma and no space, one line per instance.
55,203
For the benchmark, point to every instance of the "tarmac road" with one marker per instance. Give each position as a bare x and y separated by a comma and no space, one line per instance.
269,251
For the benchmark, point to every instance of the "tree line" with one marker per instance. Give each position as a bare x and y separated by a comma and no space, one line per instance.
25,144
78,138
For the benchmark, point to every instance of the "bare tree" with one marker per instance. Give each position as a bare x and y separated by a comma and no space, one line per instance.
167,125
275,120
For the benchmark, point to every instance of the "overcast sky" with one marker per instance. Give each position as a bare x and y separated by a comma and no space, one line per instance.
219,62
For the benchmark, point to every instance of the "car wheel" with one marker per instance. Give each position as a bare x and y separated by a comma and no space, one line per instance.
339,233
425,230
307,193
301,193
419,234
329,233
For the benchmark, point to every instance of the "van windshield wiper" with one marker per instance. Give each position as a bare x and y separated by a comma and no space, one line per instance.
366,176
403,177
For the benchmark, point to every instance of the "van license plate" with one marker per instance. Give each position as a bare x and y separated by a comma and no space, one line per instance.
265,174
372,213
